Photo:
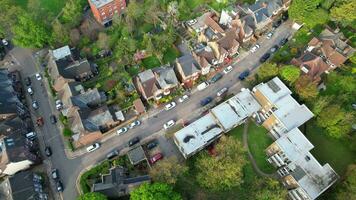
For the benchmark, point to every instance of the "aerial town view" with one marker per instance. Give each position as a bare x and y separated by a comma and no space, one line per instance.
178,100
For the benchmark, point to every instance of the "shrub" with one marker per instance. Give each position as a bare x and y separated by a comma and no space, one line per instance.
67,132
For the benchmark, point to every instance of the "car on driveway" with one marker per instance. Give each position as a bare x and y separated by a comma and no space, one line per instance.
93,147
228,69
156,158
244,74
59,104
53,119
274,48
134,124
38,76
283,41
122,130
206,101
48,151
265,57
170,105
152,145
55,174
169,124
254,48
269,35
222,92
59,186
112,154
29,90
134,141
28,81
183,98
35,105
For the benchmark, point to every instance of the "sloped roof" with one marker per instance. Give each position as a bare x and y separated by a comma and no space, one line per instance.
229,40
148,82
165,76
8,97
189,64
71,69
209,21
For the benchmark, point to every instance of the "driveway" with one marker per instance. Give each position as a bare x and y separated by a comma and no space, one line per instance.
49,134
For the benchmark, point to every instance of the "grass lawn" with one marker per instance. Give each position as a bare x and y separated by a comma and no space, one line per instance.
151,62
52,6
258,141
170,55
329,150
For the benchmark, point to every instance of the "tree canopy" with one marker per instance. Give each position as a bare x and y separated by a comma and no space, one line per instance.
305,88
290,73
344,13
267,71
223,171
92,196
306,12
168,170
347,190
269,189
8,16
72,12
154,191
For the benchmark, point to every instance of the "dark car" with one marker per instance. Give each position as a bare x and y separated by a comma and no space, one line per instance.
244,74
48,151
285,16
274,48
59,186
112,154
28,81
152,145
283,42
134,141
206,101
277,23
265,57
53,119
216,77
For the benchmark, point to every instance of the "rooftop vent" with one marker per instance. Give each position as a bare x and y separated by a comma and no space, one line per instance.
275,88
188,138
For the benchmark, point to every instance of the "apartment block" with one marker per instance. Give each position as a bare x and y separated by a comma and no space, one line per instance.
104,10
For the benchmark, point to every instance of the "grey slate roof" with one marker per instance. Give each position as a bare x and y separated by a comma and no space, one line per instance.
70,69
22,186
90,98
165,76
189,64
94,120
8,96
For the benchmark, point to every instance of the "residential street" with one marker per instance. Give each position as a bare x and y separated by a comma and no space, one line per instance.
49,134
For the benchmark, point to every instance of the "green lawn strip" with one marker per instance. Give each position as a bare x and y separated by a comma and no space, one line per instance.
258,141
336,152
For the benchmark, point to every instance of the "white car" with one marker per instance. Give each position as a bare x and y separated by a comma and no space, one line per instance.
221,92
59,104
202,86
122,130
134,124
93,147
228,69
35,105
183,98
169,124
269,35
38,76
254,48
30,91
5,42
170,105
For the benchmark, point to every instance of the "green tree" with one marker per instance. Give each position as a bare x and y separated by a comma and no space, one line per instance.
134,10
8,16
223,171
154,191
306,89
337,126
347,189
320,103
269,189
152,12
344,13
60,33
168,170
92,196
30,33
316,17
267,71
301,11
125,49
103,41
72,12
290,73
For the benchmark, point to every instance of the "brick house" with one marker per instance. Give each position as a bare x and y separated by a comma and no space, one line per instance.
104,10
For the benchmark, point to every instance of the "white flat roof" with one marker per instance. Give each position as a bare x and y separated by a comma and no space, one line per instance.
197,134
61,52
233,111
273,89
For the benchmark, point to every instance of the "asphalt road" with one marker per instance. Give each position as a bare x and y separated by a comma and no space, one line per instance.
49,134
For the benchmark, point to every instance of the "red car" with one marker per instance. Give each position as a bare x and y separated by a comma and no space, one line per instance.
156,158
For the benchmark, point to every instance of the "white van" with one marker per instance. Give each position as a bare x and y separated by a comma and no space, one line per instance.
31,135
93,147
202,86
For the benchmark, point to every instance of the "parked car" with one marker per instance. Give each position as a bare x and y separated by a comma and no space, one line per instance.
169,124
31,135
285,16
134,124
283,41
55,174
38,76
222,92
274,48
244,74
183,98
59,104
48,151
29,90
53,119
122,130
134,141
93,147
112,154
228,69
4,42
265,57
59,186
152,144
269,35
192,22
254,48
156,158
277,23
206,101
202,86
216,77
28,81
170,105
35,105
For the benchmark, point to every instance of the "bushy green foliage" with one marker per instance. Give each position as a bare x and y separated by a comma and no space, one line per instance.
290,73
92,196
347,189
267,71
154,191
